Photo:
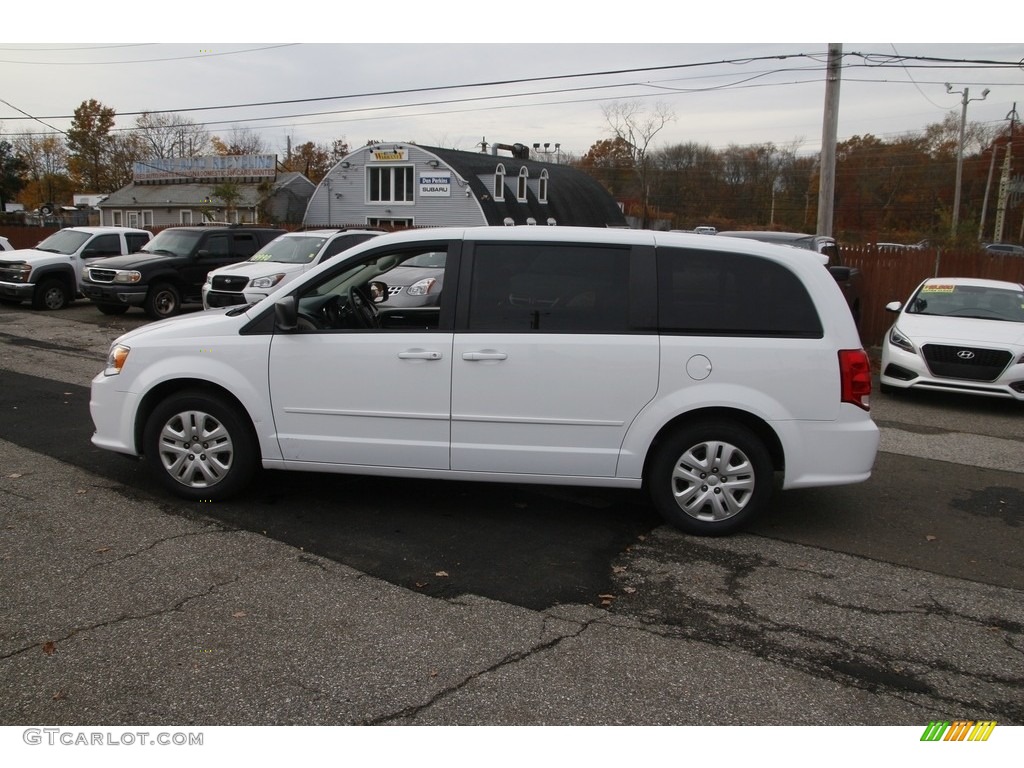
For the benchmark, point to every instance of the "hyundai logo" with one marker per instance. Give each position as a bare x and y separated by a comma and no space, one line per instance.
965,354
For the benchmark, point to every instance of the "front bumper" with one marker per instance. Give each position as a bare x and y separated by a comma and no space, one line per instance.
115,294
907,370
21,291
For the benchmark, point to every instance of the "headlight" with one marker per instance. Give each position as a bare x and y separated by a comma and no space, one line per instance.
127,276
266,282
897,339
116,359
422,287
20,273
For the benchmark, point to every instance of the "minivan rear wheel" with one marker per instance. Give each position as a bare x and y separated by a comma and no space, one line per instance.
710,478
200,446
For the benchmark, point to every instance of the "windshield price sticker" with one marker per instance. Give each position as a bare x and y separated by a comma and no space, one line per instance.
260,257
938,288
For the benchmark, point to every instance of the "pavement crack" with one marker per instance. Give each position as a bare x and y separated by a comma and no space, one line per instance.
411,712
153,545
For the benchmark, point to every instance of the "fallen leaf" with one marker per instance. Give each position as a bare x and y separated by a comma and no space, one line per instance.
101,550
60,695
618,569
15,474
442,573
629,590
49,647
421,584
930,538
81,491
607,597
239,615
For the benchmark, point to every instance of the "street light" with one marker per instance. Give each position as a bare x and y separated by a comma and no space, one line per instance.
960,149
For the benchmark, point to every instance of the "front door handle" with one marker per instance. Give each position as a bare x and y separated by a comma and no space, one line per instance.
419,354
487,354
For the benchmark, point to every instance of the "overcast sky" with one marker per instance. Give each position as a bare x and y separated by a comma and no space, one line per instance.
431,88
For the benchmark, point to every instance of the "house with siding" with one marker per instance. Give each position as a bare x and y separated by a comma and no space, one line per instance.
184,191
399,184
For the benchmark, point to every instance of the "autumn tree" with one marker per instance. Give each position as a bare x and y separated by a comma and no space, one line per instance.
46,173
241,141
610,161
90,144
312,160
230,194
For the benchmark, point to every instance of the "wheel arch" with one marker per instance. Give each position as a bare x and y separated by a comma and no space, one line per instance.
755,424
165,389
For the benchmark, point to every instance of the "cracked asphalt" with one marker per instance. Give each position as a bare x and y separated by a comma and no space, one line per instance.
896,602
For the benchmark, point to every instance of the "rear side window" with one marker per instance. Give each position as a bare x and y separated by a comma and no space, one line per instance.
136,241
342,243
731,294
549,287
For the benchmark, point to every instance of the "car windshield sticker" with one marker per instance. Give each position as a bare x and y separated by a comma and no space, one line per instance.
938,288
260,257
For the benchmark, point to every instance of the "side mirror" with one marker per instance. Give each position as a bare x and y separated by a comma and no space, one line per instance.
841,274
378,291
893,306
286,314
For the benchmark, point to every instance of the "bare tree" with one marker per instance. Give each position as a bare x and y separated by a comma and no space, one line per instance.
629,122
241,141
171,135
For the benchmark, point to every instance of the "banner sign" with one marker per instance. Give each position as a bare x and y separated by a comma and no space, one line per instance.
206,168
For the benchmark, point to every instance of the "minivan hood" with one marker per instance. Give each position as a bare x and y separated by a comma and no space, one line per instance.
197,325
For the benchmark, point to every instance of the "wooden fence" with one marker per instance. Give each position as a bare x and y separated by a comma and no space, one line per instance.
891,275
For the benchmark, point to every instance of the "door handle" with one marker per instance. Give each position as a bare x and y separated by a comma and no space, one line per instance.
419,354
484,355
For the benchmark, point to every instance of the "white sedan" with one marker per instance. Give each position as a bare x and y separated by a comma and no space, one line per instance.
957,334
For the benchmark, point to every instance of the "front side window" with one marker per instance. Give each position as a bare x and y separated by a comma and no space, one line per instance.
104,245
731,294
549,287
390,184
399,290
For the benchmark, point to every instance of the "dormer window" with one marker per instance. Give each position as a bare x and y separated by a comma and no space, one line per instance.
542,189
499,182
524,176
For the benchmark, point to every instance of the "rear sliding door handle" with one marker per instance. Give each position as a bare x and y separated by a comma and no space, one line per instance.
484,355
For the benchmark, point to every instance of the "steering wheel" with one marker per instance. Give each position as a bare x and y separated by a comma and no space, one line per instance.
362,308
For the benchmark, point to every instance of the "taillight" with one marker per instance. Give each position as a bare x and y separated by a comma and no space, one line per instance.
855,377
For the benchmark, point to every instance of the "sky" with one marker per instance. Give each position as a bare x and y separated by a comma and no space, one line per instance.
507,73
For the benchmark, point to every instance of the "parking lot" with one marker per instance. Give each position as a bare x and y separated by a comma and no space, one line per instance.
342,600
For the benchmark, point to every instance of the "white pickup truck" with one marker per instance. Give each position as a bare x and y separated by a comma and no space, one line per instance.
50,275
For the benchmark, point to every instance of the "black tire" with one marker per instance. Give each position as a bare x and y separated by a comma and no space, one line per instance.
711,478
201,446
112,309
52,293
162,301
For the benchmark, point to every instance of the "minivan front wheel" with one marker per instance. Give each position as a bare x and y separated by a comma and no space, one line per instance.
200,446
711,478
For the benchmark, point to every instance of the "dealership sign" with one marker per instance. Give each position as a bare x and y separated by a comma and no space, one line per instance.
435,185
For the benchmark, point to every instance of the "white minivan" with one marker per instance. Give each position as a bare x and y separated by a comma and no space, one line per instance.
695,367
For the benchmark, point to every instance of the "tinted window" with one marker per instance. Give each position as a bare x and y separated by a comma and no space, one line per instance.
105,245
245,245
731,294
549,287
342,243
136,242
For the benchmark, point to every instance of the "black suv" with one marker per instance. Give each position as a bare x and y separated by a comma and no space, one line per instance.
171,269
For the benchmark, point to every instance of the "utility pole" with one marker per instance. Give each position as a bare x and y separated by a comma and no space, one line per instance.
1004,181
960,150
988,184
830,129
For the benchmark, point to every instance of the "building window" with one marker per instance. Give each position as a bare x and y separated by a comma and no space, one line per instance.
116,218
386,223
147,219
185,216
499,182
542,190
390,184
133,219
524,176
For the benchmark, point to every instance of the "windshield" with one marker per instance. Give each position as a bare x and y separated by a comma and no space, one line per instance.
66,241
179,242
291,249
979,302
